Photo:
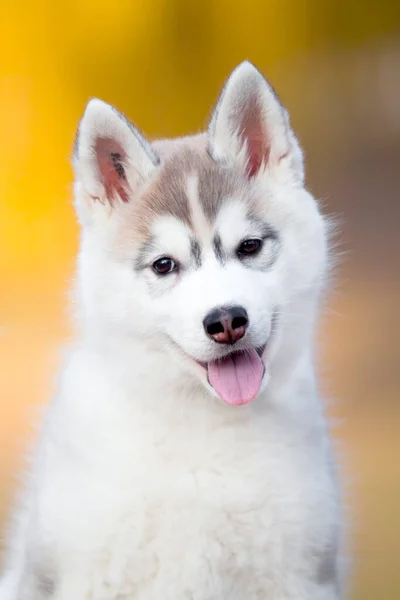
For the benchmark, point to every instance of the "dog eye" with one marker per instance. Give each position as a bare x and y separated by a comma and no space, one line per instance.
164,265
249,248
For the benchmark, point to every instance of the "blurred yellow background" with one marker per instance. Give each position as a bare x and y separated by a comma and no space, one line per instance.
336,66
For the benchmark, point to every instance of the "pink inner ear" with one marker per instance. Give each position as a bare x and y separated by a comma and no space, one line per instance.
111,159
256,138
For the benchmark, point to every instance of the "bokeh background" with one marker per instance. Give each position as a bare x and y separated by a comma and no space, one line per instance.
336,66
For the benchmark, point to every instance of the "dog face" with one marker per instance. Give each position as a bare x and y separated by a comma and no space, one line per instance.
207,245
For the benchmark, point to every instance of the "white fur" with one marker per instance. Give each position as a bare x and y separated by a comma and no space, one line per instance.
202,228
144,484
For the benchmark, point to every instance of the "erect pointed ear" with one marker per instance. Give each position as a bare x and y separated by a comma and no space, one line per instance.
111,157
251,128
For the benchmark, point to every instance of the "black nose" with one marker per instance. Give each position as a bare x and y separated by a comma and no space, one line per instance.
226,325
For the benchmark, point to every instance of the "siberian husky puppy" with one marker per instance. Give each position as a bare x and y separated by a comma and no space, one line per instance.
186,454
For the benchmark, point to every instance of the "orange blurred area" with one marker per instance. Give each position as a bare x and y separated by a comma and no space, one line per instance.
335,65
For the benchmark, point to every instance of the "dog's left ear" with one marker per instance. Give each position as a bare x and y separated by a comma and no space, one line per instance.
251,128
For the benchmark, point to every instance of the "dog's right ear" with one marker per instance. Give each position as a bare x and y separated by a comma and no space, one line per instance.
111,158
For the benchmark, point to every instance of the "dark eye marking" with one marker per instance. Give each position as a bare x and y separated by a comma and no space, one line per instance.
144,256
195,251
218,251
263,229
164,265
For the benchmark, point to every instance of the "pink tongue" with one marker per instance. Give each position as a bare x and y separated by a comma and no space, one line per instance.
237,377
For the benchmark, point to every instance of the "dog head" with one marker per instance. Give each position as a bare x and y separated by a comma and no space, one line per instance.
209,245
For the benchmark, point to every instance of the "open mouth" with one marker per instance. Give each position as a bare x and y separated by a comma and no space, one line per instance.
237,377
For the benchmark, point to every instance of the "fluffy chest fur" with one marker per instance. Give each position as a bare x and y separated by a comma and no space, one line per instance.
192,500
